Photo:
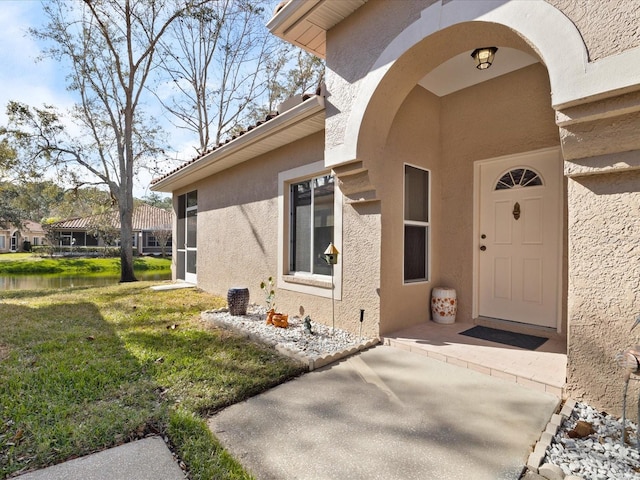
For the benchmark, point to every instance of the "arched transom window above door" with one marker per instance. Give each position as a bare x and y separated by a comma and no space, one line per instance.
518,178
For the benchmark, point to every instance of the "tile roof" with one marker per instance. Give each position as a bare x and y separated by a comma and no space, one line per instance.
145,217
28,227
269,117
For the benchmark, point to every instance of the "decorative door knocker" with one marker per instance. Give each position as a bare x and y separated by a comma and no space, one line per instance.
516,211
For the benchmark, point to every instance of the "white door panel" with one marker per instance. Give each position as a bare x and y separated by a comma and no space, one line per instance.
519,222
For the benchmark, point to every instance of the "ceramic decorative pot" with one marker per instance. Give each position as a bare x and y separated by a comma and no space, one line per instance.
444,305
238,300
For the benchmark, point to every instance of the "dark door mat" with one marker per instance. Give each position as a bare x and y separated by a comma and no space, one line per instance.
520,340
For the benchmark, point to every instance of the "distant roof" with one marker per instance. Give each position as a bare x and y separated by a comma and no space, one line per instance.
145,217
28,226
32,226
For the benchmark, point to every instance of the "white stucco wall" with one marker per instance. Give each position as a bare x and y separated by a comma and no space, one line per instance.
238,218
604,284
608,27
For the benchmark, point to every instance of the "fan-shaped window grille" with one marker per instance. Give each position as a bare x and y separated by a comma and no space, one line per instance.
518,177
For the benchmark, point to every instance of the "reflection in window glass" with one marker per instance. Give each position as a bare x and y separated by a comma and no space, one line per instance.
192,199
518,177
416,200
416,224
192,224
312,221
186,234
415,252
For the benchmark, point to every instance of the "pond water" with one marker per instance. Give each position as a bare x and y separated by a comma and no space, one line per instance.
36,282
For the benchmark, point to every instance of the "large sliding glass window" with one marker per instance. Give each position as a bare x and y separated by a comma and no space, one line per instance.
186,234
416,224
312,222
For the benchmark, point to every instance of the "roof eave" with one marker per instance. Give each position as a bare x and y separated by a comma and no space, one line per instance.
291,14
308,117
305,23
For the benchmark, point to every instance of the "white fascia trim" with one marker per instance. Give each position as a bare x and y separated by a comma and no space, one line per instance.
297,114
289,15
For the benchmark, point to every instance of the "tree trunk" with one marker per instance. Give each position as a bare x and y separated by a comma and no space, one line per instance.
126,241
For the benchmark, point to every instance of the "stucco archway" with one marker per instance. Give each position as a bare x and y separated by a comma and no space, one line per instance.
405,124
539,27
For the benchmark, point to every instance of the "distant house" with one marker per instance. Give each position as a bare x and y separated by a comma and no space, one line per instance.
13,239
148,221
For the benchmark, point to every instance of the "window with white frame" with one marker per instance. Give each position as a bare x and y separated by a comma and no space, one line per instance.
416,224
152,241
311,224
3,242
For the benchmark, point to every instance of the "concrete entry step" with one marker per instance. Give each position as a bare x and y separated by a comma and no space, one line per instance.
544,369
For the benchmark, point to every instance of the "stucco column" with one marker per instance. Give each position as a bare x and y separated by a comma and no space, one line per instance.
604,284
362,232
601,149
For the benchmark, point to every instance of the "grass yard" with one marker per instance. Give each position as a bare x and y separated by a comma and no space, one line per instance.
85,369
27,263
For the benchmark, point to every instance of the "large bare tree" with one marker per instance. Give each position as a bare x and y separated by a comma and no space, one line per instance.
291,71
109,47
216,56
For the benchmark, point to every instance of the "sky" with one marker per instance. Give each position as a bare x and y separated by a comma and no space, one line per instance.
26,78
35,82
21,77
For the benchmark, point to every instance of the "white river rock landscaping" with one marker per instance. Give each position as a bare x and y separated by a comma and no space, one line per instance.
599,456
325,345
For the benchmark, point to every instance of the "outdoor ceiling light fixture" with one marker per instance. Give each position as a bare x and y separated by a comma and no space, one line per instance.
484,57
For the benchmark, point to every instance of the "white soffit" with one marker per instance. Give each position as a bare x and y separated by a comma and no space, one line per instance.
305,22
299,122
460,72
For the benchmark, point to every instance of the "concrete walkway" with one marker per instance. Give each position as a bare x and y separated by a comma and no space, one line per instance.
382,414
173,286
148,459
387,414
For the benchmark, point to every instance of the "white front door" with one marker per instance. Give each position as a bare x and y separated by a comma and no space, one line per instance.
519,238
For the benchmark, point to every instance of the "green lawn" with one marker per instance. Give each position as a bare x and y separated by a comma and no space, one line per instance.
26,263
89,368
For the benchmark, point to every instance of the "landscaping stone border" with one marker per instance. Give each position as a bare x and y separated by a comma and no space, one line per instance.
311,362
535,468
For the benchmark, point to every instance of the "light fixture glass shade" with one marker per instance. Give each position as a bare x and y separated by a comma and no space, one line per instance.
484,57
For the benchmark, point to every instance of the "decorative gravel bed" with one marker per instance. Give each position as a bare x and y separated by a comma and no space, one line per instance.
599,455
325,345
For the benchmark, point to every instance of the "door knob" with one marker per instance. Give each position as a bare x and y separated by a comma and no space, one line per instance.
483,248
